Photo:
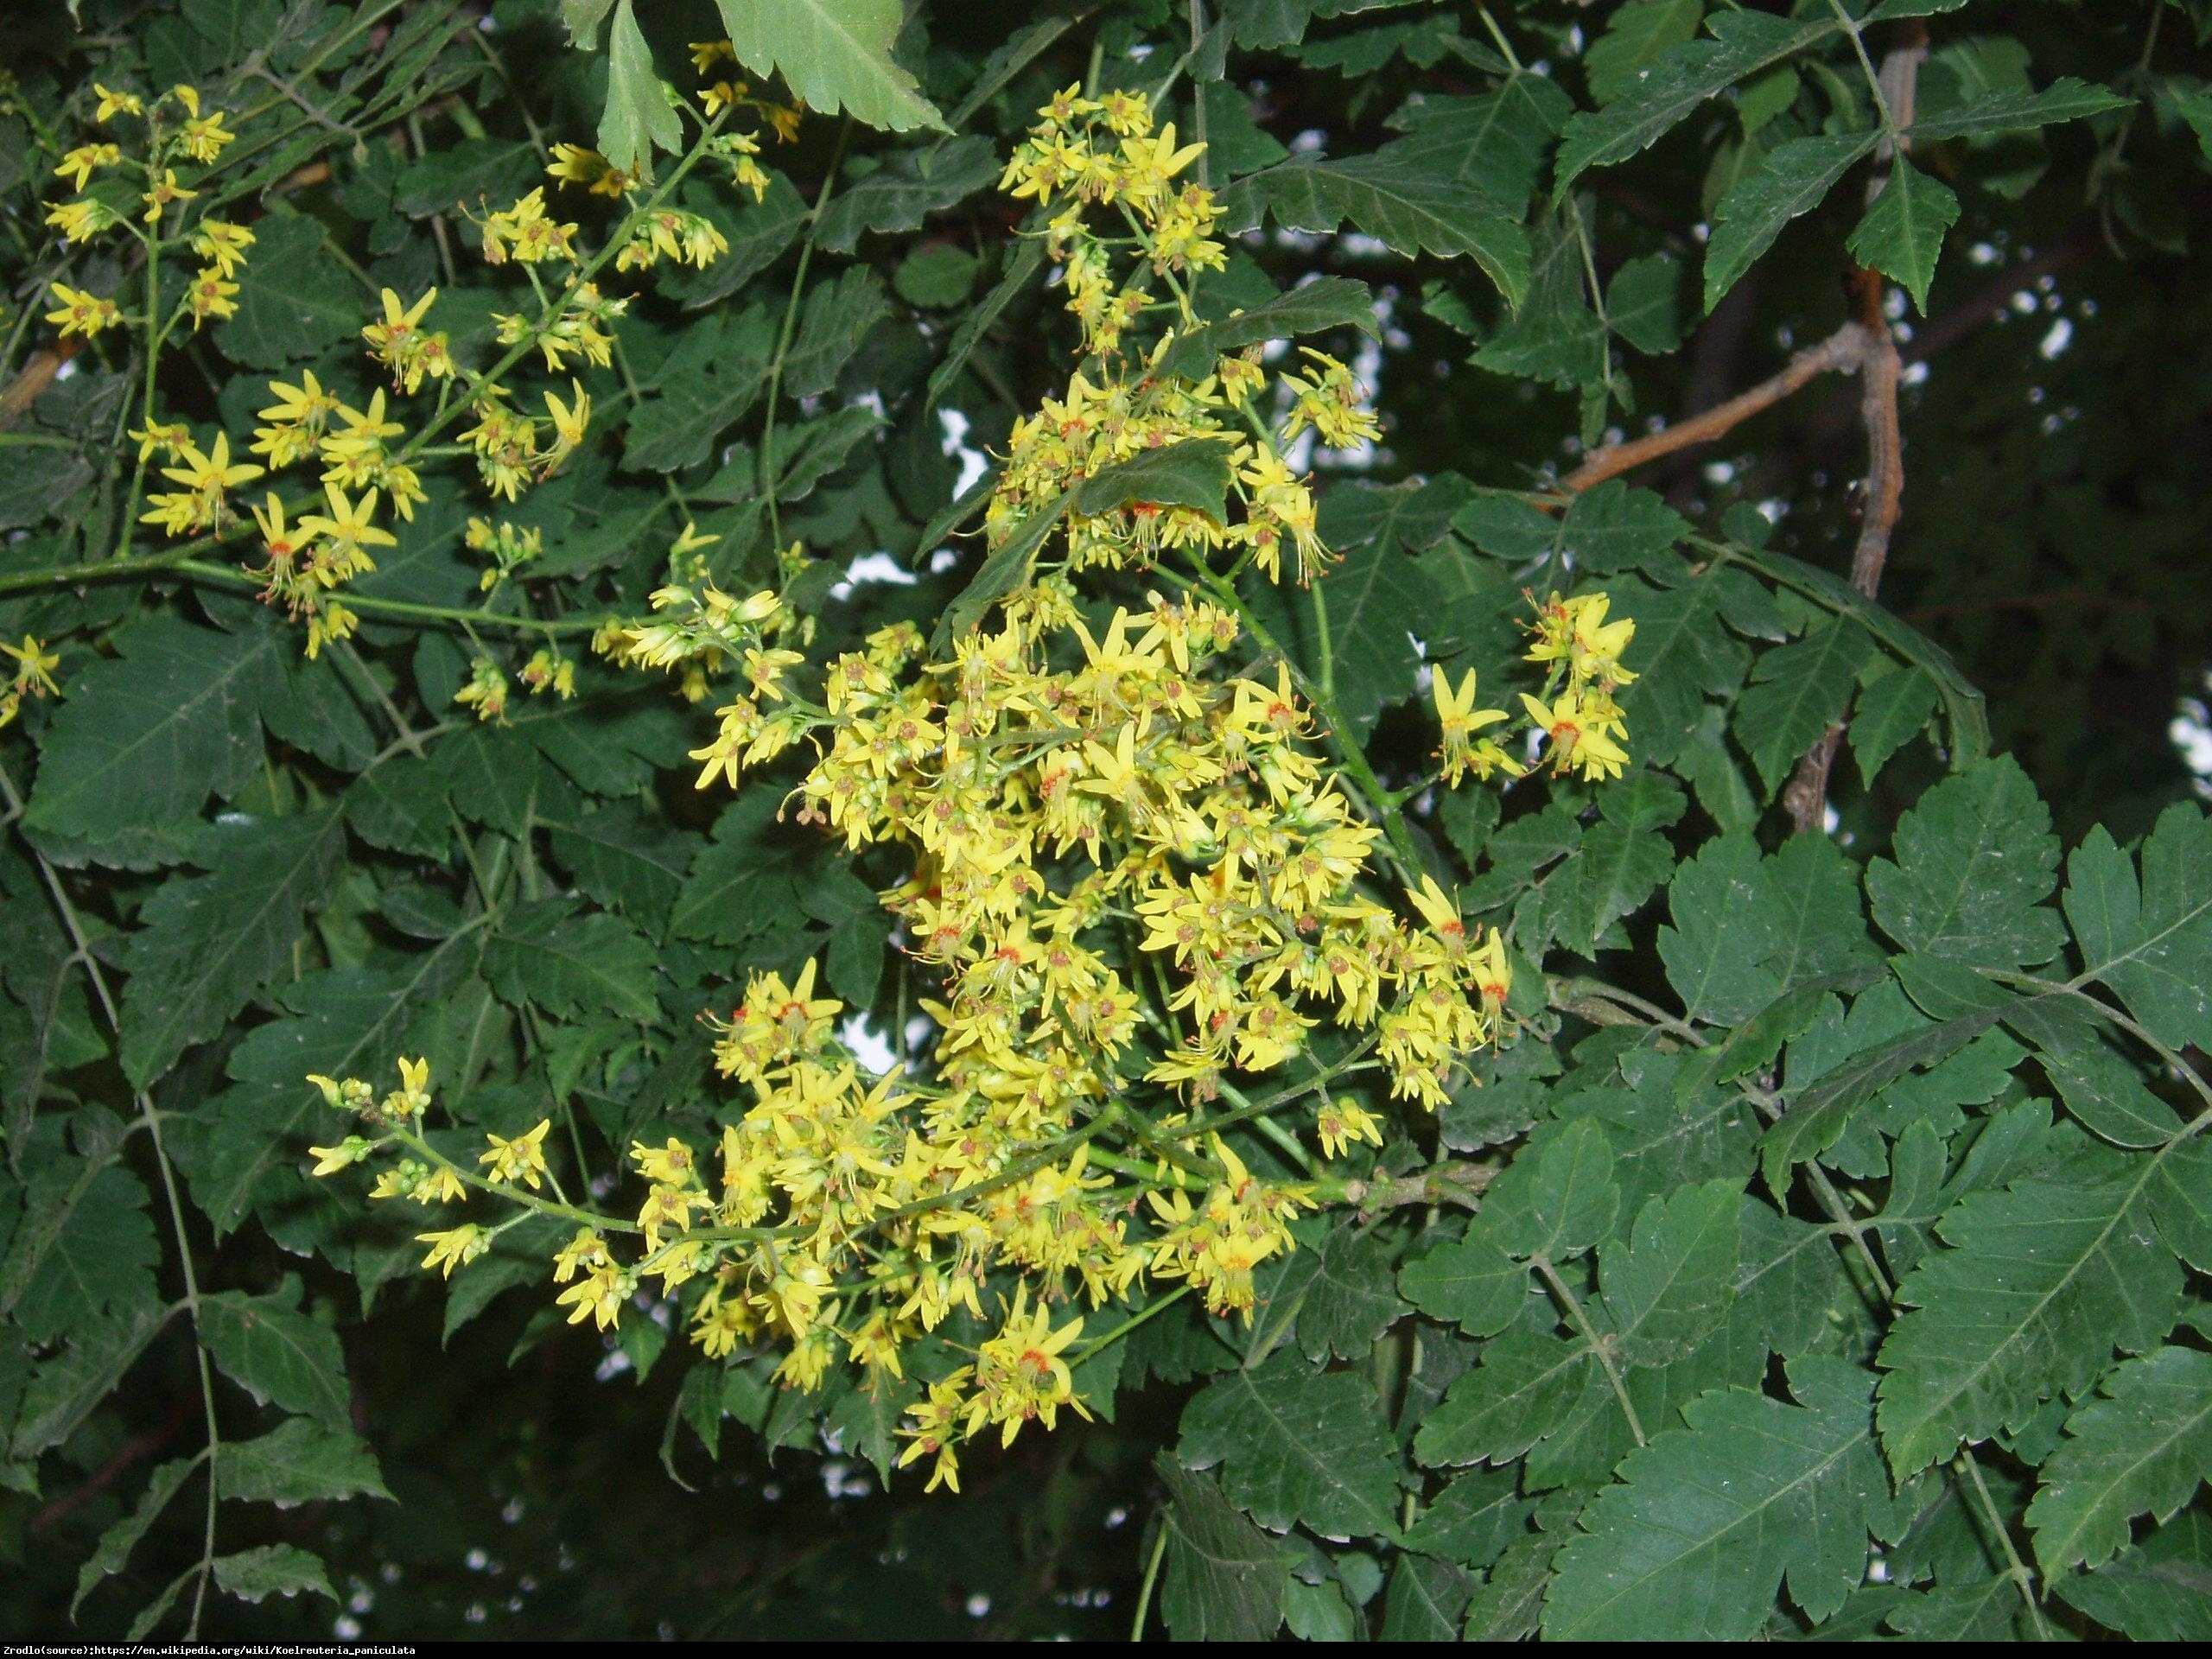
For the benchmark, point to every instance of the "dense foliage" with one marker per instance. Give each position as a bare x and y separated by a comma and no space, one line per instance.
1231,815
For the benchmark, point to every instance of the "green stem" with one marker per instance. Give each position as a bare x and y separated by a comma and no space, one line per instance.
151,1119
1151,1577
1580,1318
1086,1350
769,479
2016,1569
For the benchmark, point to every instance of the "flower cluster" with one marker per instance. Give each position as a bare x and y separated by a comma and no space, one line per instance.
313,547
1134,888
171,127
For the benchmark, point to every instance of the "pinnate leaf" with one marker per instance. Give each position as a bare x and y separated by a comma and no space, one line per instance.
2144,1448
1297,1447
1708,1521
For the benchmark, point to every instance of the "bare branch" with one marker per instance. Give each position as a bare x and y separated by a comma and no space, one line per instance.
1841,351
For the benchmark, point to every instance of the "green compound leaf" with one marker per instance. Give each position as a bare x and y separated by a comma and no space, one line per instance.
1495,141
1225,1578
829,329
1427,1600
1796,693
277,1354
2143,1449
1351,1299
909,187
1904,230
1634,37
1193,474
2041,1282
1796,179
141,738
1559,1203
571,964
1527,1389
835,55
283,1570
1724,929
1470,1281
112,1554
2160,1590
1331,302
1890,713
1402,201
208,944
2011,110
638,118
2152,944
1297,1447
1708,1521
86,1253
1975,860
296,299
301,1462
1743,43
1672,1287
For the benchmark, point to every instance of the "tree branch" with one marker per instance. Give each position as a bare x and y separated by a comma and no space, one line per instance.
1841,350
1805,794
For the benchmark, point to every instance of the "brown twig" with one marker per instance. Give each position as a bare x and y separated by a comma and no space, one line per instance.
1840,350
37,375
1805,794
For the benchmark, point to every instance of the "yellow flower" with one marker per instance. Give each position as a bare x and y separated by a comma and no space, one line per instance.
1578,729
167,438
222,244
80,313
454,1248
213,470
206,139
78,165
209,296
520,1159
1457,713
166,190
570,421
114,104
34,666
351,530
350,1151
82,220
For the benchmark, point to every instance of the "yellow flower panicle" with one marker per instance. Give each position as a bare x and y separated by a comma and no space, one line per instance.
1125,855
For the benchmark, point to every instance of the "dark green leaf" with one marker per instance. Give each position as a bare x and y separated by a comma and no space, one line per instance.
2143,1449
277,1354
141,738
1413,207
571,964
205,945
1331,302
2039,1285
1743,43
302,1462
908,187
283,1570
1297,1447
2064,99
1902,232
1710,1520
1225,1577
1796,179
1975,857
